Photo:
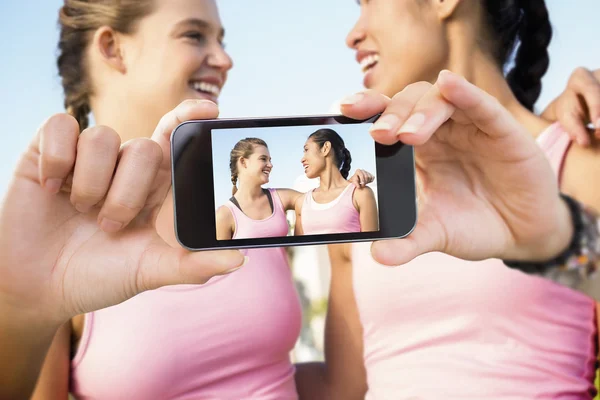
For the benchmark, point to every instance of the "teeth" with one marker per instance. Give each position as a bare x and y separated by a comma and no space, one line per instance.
206,87
369,62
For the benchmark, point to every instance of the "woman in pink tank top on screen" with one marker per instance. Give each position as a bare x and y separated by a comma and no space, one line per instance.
254,211
438,326
336,206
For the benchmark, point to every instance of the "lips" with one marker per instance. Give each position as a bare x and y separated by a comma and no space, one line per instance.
367,59
207,87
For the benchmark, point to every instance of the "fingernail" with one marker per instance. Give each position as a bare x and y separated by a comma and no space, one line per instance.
110,226
53,185
350,100
205,101
385,123
413,124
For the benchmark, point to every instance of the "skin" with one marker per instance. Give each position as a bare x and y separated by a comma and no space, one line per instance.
252,174
139,79
319,162
434,35
149,73
45,285
250,196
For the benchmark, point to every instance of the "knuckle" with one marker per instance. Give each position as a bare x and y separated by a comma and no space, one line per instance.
581,71
56,159
60,123
418,86
144,148
579,76
121,208
86,194
100,136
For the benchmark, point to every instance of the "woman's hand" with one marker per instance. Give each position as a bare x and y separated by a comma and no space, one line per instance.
485,188
578,105
361,178
77,226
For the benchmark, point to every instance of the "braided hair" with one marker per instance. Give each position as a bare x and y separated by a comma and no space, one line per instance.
78,19
523,25
242,149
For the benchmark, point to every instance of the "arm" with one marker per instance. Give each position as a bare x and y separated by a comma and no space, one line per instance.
288,198
582,163
298,230
578,104
53,382
343,376
225,224
366,205
361,178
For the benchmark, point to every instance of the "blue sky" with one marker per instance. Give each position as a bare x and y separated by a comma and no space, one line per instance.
290,59
285,145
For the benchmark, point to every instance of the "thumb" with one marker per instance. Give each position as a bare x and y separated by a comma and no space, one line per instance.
163,265
424,239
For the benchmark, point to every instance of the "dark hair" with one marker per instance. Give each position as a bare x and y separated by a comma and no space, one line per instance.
526,24
342,156
242,149
78,19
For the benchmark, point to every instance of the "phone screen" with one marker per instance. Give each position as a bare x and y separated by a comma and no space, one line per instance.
288,181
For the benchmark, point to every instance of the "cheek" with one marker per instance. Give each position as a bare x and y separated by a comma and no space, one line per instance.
164,73
413,53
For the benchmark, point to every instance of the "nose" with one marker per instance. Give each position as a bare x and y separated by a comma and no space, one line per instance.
220,59
357,34
270,165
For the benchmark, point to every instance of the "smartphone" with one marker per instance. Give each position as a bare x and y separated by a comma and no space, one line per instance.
277,165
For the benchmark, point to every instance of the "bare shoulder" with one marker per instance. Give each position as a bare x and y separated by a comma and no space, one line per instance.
581,168
363,194
224,214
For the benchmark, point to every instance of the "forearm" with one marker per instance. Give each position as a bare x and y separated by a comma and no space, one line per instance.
311,381
24,342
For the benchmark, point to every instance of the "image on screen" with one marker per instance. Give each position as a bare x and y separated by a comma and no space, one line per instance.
296,180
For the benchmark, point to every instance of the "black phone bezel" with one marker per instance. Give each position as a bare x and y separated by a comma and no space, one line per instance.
195,222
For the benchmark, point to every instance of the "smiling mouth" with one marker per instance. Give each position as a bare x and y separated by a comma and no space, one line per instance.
367,63
206,88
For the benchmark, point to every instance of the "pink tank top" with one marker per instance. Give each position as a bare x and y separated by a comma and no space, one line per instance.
273,226
337,216
228,339
440,327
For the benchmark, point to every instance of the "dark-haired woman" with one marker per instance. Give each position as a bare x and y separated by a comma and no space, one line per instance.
439,325
336,206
